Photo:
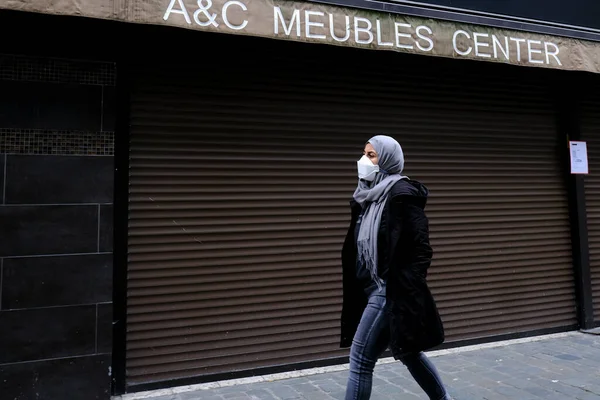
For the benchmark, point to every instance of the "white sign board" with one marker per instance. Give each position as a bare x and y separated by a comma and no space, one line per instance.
579,157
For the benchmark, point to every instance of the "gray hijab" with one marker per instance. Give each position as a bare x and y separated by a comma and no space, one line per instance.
372,197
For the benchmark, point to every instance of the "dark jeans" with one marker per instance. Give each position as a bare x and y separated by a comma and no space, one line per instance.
370,341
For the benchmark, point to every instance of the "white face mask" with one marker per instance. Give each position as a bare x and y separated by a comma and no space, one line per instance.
366,169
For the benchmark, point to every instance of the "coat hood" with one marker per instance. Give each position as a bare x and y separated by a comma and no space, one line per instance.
411,191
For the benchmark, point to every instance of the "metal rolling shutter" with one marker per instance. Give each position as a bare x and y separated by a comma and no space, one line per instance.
591,134
241,173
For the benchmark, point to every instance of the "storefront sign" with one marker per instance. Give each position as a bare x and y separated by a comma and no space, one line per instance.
318,23
579,157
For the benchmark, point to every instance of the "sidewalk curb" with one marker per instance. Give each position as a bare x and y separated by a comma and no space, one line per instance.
334,368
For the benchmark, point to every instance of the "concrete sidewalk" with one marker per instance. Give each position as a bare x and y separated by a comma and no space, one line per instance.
555,367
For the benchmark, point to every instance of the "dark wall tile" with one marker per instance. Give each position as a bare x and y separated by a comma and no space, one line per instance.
59,179
33,230
55,281
105,313
81,378
41,333
38,105
106,228
109,108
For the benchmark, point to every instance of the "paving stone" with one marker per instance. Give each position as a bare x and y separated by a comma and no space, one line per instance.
387,374
589,396
320,396
329,386
568,357
285,393
231,389
541,392
197,396
260,394
232,395
304,388
340,394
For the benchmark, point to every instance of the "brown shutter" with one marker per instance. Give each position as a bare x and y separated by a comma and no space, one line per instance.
241,173
591,134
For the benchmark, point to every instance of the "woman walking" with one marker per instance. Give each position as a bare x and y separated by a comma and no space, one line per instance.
386,254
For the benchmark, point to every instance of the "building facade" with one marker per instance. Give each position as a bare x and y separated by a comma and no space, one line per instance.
190,189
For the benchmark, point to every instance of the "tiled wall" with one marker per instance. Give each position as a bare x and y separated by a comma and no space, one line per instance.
56,190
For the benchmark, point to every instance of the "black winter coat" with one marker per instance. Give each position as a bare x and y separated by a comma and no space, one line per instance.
405,254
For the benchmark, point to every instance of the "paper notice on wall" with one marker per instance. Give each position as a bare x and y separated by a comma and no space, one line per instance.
579,157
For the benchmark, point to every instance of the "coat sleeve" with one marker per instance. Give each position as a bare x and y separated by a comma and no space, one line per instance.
416,227
415,324
412,225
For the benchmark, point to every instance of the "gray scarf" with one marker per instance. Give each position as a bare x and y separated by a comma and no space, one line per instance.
372,197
